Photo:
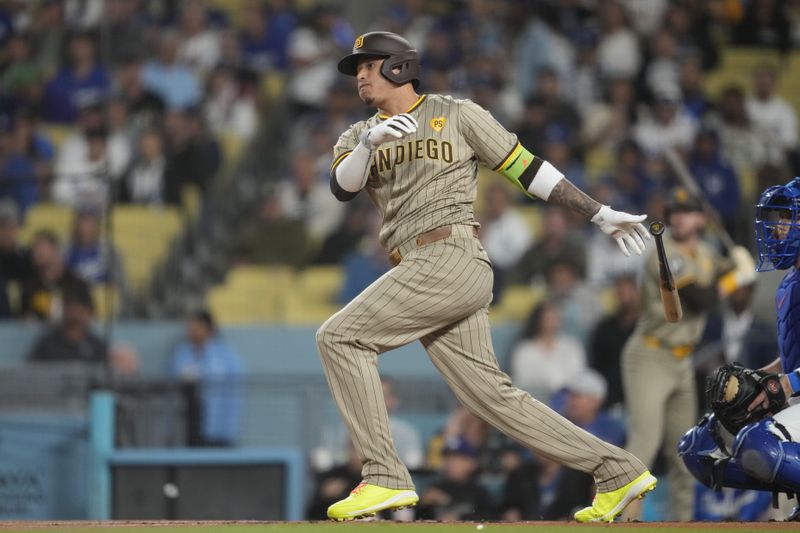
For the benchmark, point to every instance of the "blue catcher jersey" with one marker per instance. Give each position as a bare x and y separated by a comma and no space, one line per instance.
787,304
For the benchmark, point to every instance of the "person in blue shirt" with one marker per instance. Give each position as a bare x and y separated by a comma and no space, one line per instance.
764,454
206,359
718,180
173,82
84,80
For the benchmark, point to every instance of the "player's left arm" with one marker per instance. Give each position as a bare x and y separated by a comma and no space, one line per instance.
500,150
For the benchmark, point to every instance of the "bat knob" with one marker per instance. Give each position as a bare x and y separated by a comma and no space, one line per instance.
656,228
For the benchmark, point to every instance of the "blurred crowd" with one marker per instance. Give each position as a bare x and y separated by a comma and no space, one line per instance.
130,101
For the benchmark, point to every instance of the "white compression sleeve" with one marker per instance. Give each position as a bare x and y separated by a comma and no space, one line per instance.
352,172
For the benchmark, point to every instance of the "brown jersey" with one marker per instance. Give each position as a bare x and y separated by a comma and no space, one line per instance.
429,179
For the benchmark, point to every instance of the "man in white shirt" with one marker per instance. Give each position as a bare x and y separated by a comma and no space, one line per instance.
773,117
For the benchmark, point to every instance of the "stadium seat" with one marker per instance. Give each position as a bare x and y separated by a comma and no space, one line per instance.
142,235
54,217
100,297
314,298
516,303
252,294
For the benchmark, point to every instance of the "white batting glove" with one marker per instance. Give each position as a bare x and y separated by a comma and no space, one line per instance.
626,229
390,129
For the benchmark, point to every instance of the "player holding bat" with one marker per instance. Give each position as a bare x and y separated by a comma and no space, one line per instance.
657,370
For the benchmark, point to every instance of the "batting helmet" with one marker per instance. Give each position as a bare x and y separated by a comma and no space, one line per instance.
680,199
398,53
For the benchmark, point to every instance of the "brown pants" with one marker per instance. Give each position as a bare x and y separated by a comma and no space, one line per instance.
440,294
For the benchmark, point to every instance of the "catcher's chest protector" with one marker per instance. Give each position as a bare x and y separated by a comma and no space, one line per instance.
787,305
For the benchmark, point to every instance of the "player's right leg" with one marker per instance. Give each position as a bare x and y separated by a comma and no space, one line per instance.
422,294
463,353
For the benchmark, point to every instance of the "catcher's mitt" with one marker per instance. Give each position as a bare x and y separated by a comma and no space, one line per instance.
731,388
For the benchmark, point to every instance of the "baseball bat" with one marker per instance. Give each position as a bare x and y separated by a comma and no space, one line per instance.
669,294
688,181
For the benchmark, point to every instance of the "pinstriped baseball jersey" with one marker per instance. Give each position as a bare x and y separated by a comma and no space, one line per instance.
429,179
700,268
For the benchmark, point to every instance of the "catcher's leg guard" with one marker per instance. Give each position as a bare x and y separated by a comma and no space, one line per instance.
704,455
765,453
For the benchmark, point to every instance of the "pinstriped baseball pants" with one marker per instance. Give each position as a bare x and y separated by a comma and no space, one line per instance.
440,294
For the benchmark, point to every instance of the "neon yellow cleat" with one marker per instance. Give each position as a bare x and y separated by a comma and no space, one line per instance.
607,505
366,500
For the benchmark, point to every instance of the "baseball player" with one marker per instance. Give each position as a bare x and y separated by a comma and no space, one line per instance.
657,370
752,438
417,158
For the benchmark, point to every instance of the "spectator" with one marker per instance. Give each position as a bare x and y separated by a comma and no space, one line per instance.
558,152
618,53
49,33
172,81
608,124
667,126
773,117
144,182
609,335
504,233
544,358
25,162
43,293
662,68
193,156
83,81
629,182
84,14
127,35
72,338
558,241
365,264
580,304
15,260
334,484
735,333
89,160
230,106
522,494
346,238
146,108
406,438
271,238
314,50
559,111
456,495
82,170
740,143
88,256
207,360
307,198
21,78
695,100
718,180
200,46
264,38
764,24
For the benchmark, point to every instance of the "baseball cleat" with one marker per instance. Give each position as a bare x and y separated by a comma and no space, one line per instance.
366,500
606,506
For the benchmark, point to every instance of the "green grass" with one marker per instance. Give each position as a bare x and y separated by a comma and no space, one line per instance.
388,527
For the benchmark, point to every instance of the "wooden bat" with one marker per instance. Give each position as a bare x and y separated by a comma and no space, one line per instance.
669,294
688,181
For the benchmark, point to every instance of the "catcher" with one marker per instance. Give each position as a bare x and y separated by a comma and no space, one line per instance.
752,438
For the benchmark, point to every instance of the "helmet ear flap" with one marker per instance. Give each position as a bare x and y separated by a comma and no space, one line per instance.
408,63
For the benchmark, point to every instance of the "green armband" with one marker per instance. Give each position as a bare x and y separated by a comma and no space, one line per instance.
519,168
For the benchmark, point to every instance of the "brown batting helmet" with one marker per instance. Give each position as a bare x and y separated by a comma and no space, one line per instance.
398,52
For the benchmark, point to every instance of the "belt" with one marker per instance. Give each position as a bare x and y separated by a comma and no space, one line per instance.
679,351
429,237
